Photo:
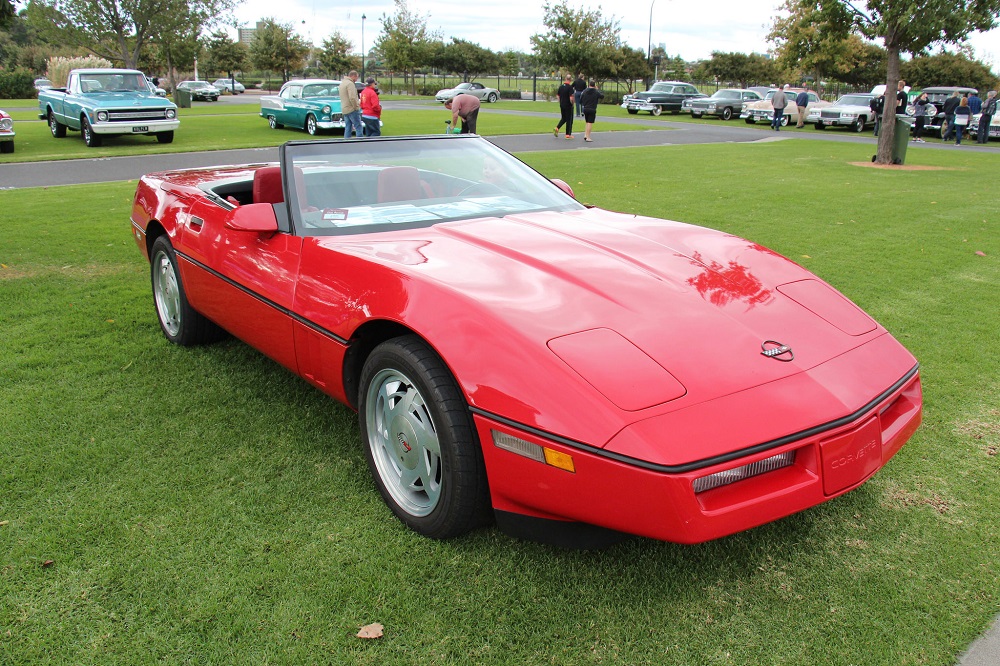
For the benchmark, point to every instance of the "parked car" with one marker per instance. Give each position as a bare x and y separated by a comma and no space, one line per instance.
937,95
973,127
852,111
661,96
156,88
763,110
725,103
99,102
226,85
472,88
200,90
6,132
309,104
516,355
43,84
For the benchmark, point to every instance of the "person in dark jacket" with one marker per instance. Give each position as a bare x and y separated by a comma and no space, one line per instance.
949,107
578,87
920,117
989,110
877,105
566,100
589,100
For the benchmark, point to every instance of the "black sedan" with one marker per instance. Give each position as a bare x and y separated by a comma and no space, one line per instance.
200,90
662,96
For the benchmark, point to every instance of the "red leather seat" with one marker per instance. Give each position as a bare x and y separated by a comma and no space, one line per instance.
267,185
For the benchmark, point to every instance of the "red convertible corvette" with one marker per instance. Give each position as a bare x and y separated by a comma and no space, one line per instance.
570,372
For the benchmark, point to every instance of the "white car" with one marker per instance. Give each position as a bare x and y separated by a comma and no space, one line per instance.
226,85
994,126
478,89
852,111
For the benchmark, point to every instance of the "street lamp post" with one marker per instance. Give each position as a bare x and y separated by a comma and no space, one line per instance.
363,17
649,45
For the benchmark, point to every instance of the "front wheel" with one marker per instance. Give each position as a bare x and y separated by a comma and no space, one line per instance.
859,126
633,112
750,120
420,442
6,146
90,137
727,113
492,98
311,127
695,115
820,126
784,120
180,323
165,137
657,110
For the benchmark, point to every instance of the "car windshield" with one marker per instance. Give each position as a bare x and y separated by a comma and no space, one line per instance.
100,82
727,94
854,100
350,187
321,90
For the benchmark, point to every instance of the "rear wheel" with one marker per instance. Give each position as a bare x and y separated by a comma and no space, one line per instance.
57,128
165,137
178,320
420,442
274,123
91,138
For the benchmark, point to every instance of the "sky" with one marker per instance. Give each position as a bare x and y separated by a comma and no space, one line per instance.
685,28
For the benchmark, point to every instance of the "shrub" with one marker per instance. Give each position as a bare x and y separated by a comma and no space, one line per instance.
17,83
510,94
59,67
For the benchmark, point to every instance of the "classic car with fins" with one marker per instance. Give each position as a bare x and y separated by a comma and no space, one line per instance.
309,104
725,103
573,374
661,96
7,133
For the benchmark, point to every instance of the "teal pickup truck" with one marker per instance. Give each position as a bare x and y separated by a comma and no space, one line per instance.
97,102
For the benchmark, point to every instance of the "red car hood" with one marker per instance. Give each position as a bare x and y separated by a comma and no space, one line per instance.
644,316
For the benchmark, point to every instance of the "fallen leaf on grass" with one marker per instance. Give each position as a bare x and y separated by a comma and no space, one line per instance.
980,253
4,523
371,631
48,563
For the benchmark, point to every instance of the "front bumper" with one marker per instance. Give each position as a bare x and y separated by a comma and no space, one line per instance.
621,492
138,127
639,105
757,115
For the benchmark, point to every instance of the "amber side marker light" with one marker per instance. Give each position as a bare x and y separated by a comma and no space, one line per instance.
725,477
533,451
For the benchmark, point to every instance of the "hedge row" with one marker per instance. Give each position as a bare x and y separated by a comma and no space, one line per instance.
17,84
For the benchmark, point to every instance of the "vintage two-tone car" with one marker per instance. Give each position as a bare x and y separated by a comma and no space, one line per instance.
7,133
994,132
485,93
573,373
763,110
852,111
200,90
661,96
309,104
103,102
724,103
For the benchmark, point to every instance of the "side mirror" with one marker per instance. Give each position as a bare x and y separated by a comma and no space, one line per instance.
258,217
561,184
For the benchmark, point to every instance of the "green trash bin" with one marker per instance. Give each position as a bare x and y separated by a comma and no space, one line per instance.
901,140
182,98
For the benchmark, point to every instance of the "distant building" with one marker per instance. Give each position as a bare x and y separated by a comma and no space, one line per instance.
246,34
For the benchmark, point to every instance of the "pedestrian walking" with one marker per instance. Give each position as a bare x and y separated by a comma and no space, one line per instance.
988,111
779,102
963,114
589,100
371,108
920,117
949,107
975,103
802,102
466,107
350,105
566,101
578,87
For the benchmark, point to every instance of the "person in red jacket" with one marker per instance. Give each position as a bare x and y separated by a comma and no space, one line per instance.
371,109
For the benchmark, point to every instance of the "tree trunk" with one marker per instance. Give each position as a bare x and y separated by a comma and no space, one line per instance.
887,130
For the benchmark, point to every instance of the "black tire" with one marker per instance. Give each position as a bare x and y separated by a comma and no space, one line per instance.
633,112
750,120
180,323
727,113
90,137
6,146
695,115
420,442
57,128
820,126
165,137
274,123
492,98
657,110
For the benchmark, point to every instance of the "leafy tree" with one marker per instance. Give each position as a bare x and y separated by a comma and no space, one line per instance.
405,42
948,69
119,30
805,44
464,57
508,63
578,40
632,65
908,26
7,13
225,55
335,56
275,48
740,68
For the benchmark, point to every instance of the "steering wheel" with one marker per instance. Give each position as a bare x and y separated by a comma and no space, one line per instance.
481,189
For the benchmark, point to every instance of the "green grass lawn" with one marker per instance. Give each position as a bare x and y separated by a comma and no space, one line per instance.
161,504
